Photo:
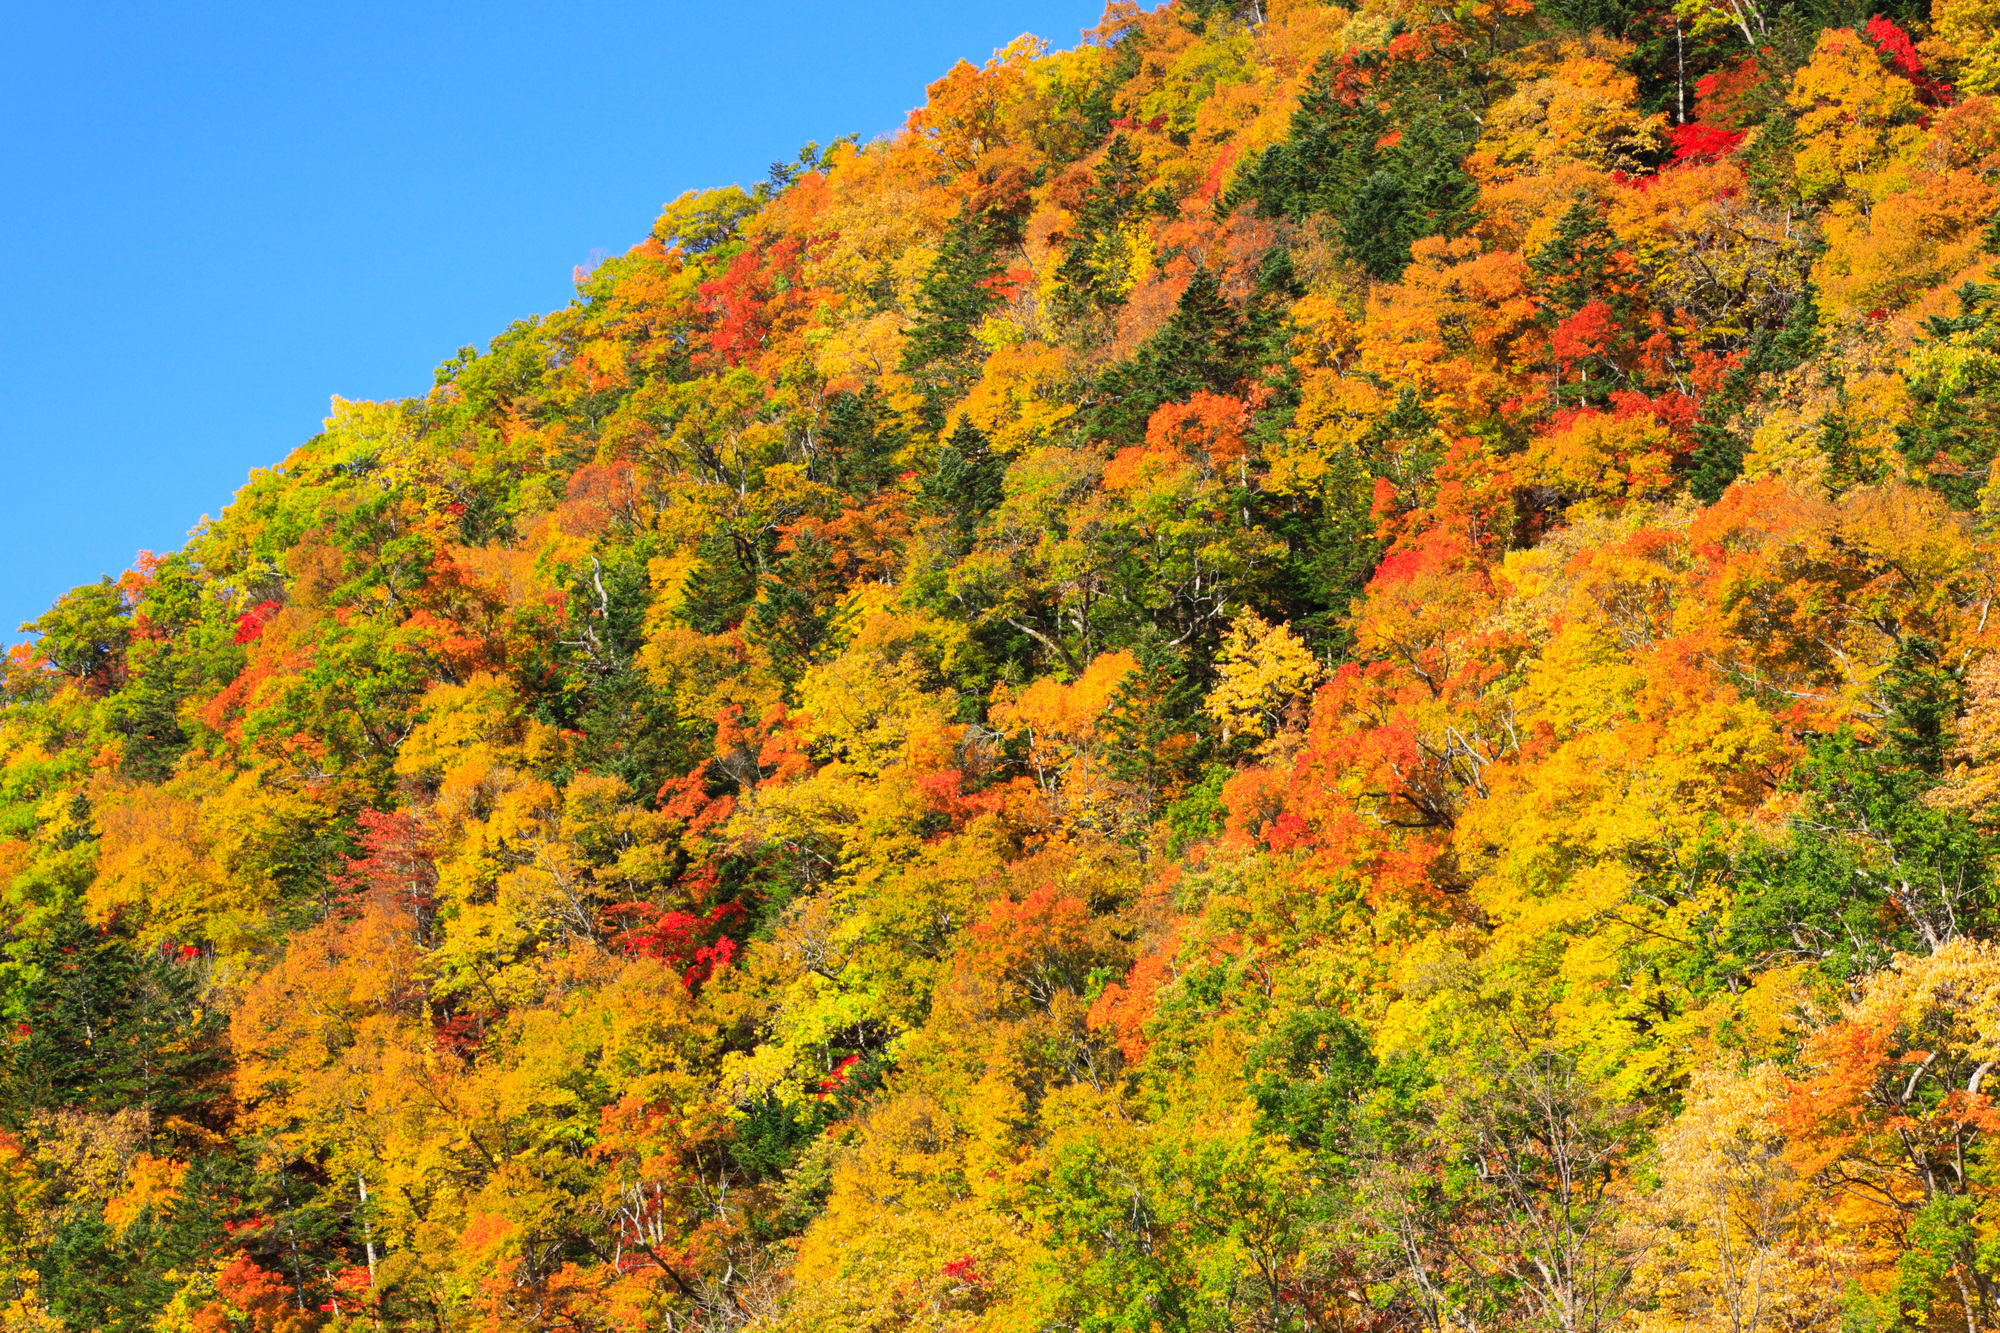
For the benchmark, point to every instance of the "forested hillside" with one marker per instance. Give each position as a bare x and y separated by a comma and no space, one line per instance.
1302,668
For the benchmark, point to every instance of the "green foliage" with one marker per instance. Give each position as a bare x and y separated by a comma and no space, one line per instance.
1310,1077
95,1278
104,1025
1376,144
1097,267
84,634
1954,428
1717,458
1873,868
954,297
964,484
1204,346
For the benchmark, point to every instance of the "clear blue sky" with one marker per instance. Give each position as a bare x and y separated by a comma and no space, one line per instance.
213,216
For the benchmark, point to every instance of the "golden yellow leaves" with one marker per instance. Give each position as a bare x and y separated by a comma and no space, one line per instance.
1974,779
1022,398
965,115
1812,414
1266,675
1714,260
151,1184
200,858
1972,29
1858,122
464,728
1572,104
1729,1239
1601,458
23,1198
904,1245
1065,727
883,691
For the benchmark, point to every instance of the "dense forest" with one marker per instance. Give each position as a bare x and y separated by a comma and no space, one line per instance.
1299,669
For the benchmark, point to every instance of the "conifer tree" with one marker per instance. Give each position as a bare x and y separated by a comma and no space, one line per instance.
1096,267
964,485
954,297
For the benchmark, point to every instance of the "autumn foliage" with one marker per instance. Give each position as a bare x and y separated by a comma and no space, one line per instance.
1300,669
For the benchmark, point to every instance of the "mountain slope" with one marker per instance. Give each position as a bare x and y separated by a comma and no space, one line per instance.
1301,668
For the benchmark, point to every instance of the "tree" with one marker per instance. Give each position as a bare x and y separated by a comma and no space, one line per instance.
955,296
1099,264
85,633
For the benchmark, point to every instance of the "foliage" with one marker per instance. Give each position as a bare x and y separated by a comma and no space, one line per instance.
1303,668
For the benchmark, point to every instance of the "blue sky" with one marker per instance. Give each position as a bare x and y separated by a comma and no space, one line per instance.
214,216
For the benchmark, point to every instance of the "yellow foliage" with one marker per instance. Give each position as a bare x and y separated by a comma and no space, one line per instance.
902,1247
1020,399
479,721
151,1185
1265,675
1972,28
1572,104
883,689
1728,1240
1974,780
1064,725
1859,125
198,859
1600,458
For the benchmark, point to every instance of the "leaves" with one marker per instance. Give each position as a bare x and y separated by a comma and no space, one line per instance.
1298,669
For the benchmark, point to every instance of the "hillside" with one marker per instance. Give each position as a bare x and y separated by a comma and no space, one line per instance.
1300,669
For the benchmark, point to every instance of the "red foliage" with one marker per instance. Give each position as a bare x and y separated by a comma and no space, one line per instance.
1034,948
1696,142
838,1074
396,861
744,300
262,1295
251,623
1896,49
1723,98
1123,1008
462,1034
1591,331
597,495
964,1269
697,943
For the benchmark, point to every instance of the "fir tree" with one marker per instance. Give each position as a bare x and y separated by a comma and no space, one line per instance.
965,483
1096,267
955,296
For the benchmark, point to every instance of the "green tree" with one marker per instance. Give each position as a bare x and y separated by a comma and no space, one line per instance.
955,296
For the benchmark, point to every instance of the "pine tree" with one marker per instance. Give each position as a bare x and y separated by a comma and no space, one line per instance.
1096,267
1576,265
1378,225
1205,345
857,443
1377,145
965,484
955,296
106,1026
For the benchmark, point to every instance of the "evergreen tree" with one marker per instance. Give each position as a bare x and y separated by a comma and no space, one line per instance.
1096,268
1376,144
1873,868
106,1026
955,296
965,483
1577,265
857,443
1718,453
1953,433
1205,345
795,604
